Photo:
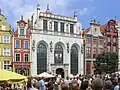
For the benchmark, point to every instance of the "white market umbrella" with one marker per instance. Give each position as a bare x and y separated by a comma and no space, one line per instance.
45,75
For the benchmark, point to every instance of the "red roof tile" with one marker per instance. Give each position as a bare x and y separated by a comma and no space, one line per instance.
87,30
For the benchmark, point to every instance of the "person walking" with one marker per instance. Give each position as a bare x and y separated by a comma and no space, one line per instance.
42,84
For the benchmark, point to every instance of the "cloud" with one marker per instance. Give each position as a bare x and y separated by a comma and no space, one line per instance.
83,11
88,0
86,11
24,10
93,8
13,9
92,0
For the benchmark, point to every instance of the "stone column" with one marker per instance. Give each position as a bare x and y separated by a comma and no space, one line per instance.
34,61
66,72
53,70
81,71
59,27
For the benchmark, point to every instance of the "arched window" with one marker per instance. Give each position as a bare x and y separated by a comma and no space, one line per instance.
74,60
41,58
58,54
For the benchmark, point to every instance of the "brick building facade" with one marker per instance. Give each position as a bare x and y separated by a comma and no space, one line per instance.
5,43
111,36
94,45
21,48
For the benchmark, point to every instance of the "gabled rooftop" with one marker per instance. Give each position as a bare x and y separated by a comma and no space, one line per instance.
22,20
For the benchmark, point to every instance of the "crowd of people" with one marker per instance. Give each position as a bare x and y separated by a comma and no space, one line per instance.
81,82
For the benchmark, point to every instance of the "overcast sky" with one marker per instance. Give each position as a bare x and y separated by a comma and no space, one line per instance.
103,10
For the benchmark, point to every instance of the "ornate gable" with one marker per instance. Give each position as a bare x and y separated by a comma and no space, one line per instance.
22,23
94,29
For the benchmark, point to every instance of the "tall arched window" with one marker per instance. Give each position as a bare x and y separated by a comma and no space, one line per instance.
41,58
74,60
58,54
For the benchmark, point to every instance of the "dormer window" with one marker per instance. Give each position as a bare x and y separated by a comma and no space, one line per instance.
21,32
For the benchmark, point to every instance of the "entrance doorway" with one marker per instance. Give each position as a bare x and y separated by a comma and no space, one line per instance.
60,71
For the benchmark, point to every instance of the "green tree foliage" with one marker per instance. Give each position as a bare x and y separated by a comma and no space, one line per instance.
107,62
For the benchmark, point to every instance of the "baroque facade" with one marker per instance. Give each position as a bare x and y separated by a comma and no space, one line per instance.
111,36
56,44
21,48
94,45
5,43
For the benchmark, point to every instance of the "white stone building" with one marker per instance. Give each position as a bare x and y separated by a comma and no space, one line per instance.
56,44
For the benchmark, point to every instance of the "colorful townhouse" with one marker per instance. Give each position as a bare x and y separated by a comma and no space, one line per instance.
94,45
5,43
111,36
21,48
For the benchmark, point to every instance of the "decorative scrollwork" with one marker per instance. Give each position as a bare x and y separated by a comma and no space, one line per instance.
33,45
67,47
51,46
82,47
